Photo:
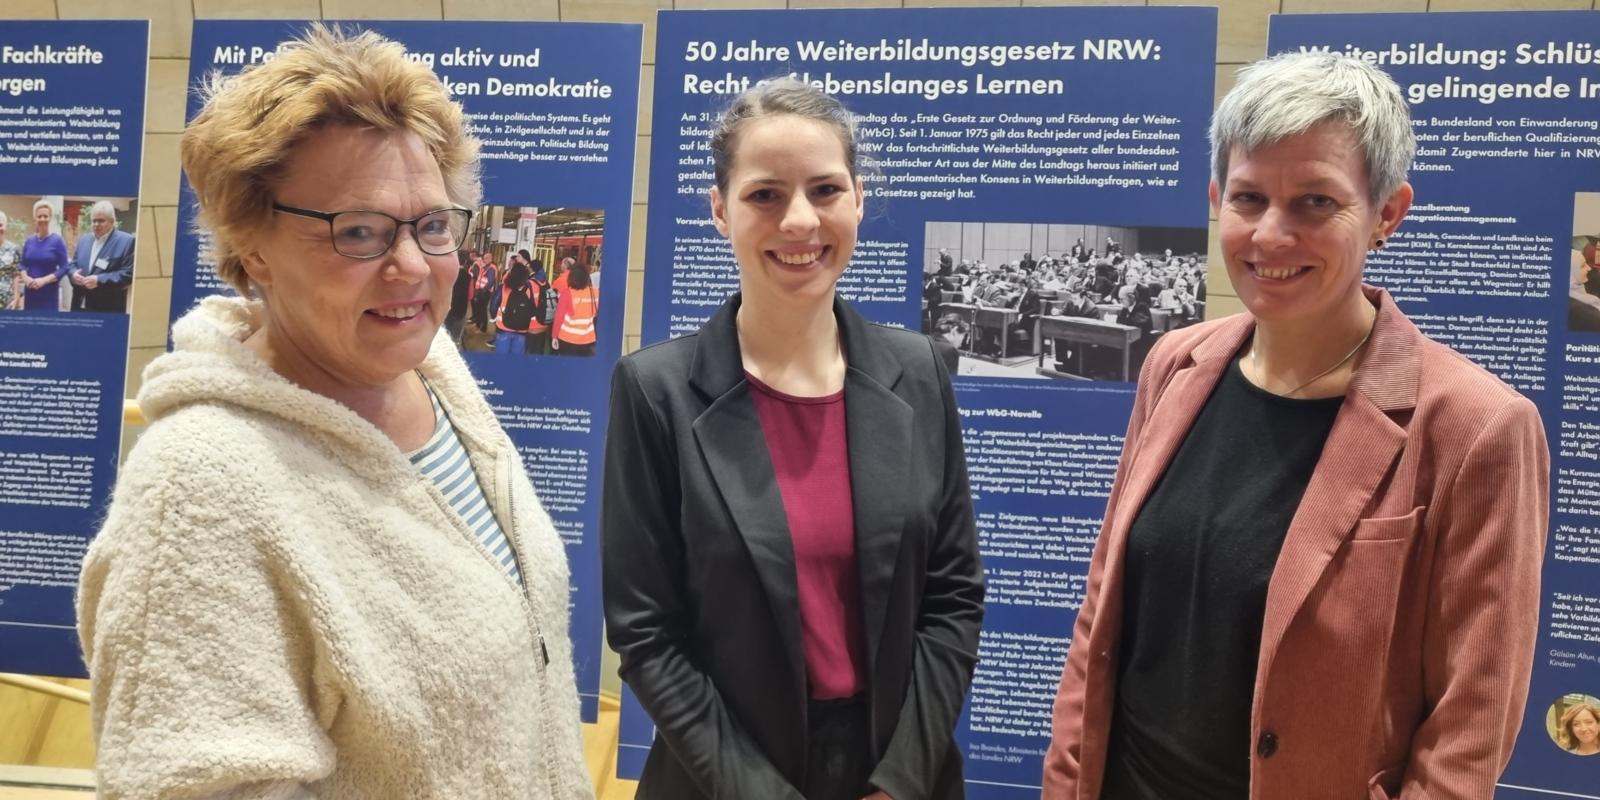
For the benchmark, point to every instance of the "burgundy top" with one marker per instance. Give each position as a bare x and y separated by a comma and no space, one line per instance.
811,456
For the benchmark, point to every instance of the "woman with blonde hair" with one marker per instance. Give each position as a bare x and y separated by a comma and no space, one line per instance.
790,559
325,572
44,261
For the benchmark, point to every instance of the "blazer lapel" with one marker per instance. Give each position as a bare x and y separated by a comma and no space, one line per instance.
879,426
1166,426
1361,448
734,446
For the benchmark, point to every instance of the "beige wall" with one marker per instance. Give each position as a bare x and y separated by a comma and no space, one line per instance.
1242,38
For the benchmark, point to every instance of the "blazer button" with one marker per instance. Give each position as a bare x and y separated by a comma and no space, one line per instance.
1267,745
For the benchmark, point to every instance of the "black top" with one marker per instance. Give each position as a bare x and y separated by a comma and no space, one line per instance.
1199,557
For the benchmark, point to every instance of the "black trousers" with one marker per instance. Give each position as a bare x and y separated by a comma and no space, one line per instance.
581,350
536,344
839,756
109,297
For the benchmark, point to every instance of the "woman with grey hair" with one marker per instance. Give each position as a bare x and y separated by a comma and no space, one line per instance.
1318,574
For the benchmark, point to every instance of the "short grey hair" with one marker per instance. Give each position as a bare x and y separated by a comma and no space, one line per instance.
1289,93
106,207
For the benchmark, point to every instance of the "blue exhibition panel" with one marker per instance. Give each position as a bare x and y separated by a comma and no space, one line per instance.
998,136
72,98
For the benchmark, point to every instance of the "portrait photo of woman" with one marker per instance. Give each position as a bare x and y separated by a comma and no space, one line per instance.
1577,729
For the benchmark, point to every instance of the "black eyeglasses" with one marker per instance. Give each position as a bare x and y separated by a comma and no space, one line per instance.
369,234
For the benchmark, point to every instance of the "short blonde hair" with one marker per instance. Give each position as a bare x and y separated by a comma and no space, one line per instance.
237,148
43,203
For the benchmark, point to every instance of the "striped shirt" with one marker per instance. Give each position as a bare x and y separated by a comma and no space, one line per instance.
444,461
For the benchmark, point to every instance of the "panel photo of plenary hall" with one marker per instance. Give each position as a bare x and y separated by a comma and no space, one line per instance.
1073,301
530,282
66,253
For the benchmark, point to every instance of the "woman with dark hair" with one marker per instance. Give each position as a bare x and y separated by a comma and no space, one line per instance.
791,568
572,333
539,330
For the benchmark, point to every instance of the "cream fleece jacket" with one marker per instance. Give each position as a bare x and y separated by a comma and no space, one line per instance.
281,605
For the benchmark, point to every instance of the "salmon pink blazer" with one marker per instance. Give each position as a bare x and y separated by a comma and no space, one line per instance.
1402,611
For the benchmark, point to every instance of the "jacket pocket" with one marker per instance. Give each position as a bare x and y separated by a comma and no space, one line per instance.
1383,529
1386,784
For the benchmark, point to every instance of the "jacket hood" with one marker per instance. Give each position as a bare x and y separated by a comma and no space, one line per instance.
210,365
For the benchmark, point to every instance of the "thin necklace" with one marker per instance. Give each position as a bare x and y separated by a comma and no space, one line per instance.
1256,367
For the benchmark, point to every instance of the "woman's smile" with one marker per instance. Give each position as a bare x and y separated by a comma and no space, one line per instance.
800,256
1279,274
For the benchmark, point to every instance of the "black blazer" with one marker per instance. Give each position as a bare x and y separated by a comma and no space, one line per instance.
699,576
